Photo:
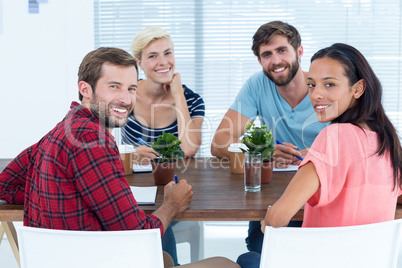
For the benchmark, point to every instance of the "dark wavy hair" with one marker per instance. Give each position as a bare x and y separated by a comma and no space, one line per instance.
368,108
268,30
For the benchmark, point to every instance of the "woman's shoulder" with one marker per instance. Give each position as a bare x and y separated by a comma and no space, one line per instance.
190,94
188,91
344,128
344,132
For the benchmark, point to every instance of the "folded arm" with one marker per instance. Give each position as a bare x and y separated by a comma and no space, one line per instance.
229,131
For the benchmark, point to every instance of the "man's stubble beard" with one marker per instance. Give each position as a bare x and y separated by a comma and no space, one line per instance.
99,110
293,68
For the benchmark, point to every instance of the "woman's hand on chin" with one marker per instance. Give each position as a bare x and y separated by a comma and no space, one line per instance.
175,86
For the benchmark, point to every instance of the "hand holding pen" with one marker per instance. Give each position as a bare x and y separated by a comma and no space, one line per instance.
150,150
140,140
144,154
298,157
177,195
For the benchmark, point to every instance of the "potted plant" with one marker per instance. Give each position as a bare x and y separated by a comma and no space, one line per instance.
167,146
259,140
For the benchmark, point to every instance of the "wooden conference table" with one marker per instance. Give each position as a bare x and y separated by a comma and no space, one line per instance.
218,195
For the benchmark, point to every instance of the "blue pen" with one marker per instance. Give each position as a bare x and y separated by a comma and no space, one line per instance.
279,142
176,179
143,142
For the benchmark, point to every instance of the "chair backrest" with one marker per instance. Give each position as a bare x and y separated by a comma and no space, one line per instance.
46,248
372,245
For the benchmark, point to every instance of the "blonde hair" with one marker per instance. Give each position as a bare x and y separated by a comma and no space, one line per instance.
146,36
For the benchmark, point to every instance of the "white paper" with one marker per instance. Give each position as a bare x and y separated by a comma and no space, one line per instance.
289,168
142,168
144,195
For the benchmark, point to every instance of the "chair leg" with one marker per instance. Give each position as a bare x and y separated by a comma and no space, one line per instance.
193,233
201,241
1,233
197,251
9,229
194,249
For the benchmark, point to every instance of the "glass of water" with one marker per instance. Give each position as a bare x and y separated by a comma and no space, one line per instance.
252,172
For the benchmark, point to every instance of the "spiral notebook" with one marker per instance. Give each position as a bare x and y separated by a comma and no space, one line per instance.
144,195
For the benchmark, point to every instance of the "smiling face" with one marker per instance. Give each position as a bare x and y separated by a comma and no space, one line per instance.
157,61
330,91
279,60
114,96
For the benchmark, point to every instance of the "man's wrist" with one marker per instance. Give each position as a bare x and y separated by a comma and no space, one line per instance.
170,209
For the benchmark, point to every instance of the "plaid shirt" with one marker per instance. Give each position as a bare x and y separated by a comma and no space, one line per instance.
73,179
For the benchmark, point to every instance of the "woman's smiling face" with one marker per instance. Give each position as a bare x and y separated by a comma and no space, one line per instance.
158,61
330,91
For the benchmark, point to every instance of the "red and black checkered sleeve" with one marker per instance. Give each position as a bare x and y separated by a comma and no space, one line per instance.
101,181
13,178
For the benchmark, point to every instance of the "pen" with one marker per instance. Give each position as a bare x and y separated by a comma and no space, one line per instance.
143,142
176,179
279,142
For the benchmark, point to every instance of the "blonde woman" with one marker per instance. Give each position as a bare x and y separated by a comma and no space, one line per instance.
163,103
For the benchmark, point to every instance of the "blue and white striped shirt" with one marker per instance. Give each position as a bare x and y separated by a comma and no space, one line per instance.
134,129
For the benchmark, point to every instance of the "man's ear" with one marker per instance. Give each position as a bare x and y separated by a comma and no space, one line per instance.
85,89
300,52
358,88
259,60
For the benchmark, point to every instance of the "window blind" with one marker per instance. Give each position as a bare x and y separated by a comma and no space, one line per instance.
213,40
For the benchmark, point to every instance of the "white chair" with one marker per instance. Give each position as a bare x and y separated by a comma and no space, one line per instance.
399,264
373,245
191,232
46,248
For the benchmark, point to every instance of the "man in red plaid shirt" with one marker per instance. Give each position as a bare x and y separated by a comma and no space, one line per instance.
73,178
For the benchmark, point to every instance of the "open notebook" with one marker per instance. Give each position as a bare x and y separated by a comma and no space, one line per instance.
145,195
142,168
290,168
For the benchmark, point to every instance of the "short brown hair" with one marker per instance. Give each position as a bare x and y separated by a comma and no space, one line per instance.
91,66
266,31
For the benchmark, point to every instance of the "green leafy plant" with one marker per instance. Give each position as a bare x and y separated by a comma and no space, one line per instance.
167,145
259,140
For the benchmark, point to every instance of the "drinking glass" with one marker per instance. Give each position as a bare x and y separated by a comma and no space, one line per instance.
252,172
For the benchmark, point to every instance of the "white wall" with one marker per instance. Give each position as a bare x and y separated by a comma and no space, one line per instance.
39,59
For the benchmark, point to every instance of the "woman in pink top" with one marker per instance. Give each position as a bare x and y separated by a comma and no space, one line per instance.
352,173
